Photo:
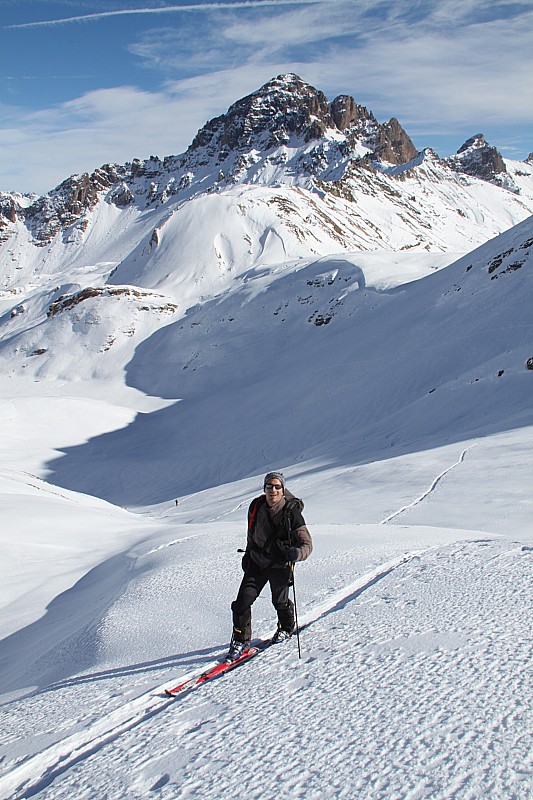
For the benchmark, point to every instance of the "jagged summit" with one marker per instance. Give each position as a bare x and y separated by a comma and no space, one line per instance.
478,158
284,106
287,107
327,171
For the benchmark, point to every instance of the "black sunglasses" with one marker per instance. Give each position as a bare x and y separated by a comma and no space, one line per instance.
277,486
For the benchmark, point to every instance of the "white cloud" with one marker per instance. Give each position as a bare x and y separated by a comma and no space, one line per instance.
433,64
441,60
294,27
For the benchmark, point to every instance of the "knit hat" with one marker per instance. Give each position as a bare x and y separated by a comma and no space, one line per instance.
278,475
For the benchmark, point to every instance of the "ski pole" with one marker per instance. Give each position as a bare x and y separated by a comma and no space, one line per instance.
296,613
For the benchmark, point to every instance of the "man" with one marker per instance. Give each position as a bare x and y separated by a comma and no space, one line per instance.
277,538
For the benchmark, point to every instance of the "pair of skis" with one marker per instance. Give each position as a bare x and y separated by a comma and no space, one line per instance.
214,672
224,666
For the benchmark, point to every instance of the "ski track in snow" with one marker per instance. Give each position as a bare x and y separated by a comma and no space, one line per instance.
57,759
428,491
170,544
432,656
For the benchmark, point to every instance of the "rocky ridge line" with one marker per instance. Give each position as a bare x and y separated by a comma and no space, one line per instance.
285,112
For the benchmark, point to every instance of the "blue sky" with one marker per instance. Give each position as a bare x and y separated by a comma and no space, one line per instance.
85,82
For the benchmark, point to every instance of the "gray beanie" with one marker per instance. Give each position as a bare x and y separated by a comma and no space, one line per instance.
278,475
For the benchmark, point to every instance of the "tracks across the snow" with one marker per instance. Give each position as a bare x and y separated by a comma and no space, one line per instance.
431,488
420,662
37,772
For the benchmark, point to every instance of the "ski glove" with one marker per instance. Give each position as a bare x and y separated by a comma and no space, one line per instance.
291,554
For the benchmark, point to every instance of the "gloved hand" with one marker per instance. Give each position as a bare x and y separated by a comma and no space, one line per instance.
291,554
245,562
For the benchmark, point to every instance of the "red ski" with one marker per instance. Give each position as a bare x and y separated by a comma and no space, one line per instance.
212,672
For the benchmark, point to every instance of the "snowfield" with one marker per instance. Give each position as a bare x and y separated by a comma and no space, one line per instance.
415,676
413,680
392,390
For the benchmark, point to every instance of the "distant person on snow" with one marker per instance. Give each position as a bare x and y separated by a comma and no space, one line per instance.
277,538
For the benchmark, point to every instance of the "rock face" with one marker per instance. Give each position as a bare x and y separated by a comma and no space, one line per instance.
8,208
8,214
476,157
283,107
287,108
350,117
394,145
67,204
386,142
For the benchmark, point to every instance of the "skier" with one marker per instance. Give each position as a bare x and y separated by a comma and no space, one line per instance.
277,538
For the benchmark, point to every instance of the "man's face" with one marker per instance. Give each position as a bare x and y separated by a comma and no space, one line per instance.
273,491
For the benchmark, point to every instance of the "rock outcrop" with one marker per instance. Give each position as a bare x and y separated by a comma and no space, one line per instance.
478,158
287,108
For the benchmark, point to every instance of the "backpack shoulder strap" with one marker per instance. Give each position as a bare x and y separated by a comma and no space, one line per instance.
292,501
254,507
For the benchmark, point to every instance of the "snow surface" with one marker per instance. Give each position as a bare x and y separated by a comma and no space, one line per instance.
404,422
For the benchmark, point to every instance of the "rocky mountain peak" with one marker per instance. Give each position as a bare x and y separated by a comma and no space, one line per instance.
394,145
8,214
386,142
283,107
349,116
478,158
287,107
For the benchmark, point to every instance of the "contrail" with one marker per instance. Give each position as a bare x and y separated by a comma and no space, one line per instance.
164,10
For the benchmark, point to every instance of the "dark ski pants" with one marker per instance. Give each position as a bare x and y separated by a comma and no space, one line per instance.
252,584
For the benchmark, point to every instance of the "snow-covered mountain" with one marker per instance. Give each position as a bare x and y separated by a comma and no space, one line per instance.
283,175
299,290
229,278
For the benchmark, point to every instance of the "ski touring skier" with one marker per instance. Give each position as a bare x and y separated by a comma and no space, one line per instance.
277,538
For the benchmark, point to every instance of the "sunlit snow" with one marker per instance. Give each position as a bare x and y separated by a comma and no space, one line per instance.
144,392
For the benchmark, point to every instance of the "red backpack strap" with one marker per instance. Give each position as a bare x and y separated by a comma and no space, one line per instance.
253,513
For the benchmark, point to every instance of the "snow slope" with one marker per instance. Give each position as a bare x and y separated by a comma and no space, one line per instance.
412,450
191,247
293,292
306,352
412,683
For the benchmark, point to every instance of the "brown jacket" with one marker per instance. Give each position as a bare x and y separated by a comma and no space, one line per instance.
270,530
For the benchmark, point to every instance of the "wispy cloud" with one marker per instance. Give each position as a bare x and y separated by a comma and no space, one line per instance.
200,7
446,68
436,63
39,149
